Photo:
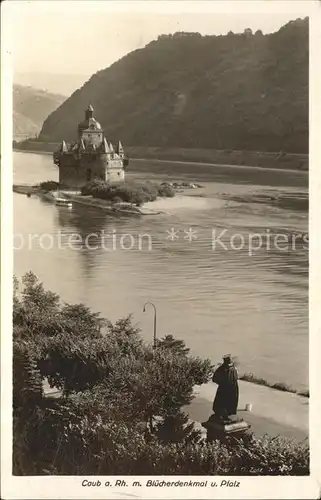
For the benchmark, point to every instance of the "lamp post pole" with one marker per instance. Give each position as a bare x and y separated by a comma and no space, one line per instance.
154,307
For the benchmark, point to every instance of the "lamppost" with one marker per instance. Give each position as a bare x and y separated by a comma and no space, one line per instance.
154,307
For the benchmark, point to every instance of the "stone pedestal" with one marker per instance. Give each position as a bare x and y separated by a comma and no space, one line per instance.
231,428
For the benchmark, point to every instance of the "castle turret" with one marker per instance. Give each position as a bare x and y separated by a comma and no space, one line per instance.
120,149
90,129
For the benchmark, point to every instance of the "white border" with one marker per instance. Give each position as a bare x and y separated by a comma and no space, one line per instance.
250,487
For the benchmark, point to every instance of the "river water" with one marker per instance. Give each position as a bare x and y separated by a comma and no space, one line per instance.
213,291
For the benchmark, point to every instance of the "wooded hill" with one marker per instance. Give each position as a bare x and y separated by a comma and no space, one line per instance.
236,92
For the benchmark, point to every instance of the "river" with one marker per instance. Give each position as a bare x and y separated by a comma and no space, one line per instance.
210,290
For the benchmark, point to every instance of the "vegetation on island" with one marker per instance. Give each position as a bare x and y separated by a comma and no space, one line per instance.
240,91
133,192
49,185
120,406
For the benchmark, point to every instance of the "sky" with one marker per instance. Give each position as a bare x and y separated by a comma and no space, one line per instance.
80,38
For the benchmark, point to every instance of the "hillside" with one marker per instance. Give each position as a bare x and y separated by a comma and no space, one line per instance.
238,91
30,108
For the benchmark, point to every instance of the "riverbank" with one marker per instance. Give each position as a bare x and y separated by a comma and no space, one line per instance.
247,159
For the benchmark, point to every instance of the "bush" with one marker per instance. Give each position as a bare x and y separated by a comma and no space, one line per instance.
49,185
129,192
67,438
280,386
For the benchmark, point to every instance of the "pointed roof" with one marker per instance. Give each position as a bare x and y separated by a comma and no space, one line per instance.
82,145
90,108
63,147
105,146
111,147
120,148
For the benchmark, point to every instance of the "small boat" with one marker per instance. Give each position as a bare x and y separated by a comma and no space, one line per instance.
63,202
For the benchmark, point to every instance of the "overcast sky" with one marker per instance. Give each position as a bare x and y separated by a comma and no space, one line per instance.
82,38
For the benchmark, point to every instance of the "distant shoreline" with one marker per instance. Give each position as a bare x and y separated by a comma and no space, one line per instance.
271,161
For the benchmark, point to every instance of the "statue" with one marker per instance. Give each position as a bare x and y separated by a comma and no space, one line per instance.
224,423
227,394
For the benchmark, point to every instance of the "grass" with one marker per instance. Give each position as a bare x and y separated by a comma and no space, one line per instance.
280,386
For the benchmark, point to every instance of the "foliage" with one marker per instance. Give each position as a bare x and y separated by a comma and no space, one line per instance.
67,439
233,92
176,345
129,192
120,406
49,185
28,388
280,386
273,456
177,429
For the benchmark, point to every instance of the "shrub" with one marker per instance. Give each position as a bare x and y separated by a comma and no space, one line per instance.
280,386
67,438
166,191
130,192
175,345
250,377
49,185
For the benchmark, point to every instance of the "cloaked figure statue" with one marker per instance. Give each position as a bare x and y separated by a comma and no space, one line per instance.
227,394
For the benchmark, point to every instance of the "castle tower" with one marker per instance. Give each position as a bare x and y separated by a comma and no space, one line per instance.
90,130
89,113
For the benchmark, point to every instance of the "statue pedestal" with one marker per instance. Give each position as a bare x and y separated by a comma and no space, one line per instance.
223,429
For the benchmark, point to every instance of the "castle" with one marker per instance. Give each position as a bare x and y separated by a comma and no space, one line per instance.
91,157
